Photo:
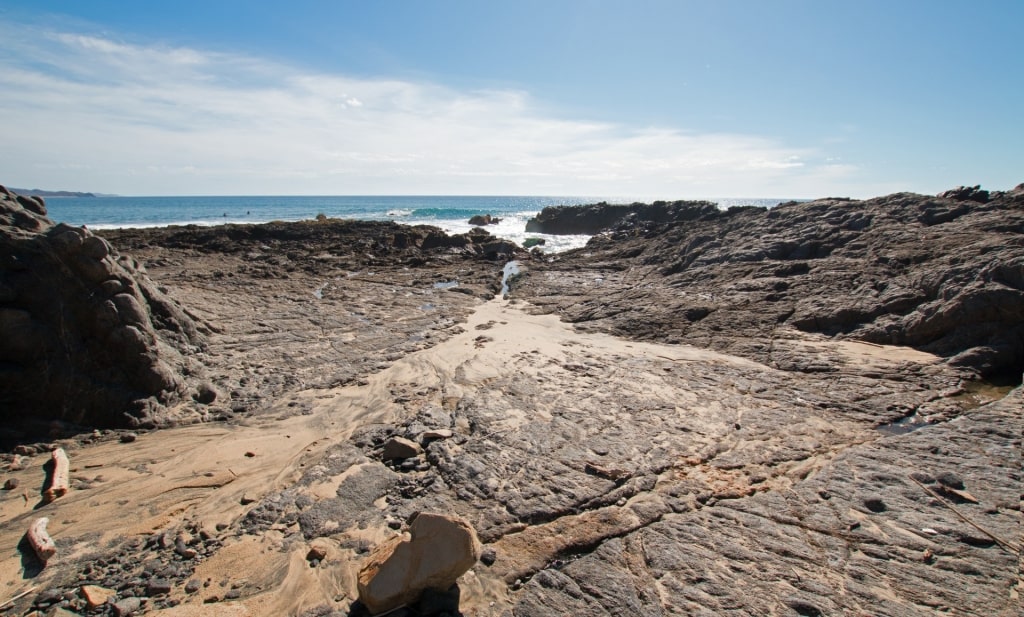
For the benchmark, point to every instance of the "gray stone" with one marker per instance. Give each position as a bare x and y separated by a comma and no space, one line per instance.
400,448
158,586
127,607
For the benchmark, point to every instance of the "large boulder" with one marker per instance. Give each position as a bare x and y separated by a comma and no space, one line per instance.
438,551
85,336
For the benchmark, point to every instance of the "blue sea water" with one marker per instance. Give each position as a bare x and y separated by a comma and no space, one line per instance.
450,213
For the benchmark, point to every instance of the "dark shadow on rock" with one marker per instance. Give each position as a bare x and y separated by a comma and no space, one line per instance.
47,479
31,565
433,603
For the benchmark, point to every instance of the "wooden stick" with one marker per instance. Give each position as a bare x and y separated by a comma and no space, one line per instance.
17,597
1003,543
59,479
41,542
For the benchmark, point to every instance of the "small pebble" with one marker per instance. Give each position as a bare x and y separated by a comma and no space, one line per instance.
950,479
488,556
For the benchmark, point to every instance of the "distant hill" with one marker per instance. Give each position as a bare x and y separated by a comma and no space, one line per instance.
43,193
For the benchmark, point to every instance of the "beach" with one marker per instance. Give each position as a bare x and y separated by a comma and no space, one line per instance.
613,452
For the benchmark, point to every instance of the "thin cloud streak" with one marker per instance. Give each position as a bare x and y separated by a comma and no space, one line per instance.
91,113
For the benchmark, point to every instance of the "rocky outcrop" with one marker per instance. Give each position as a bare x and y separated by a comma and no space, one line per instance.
943,275
369,241
438,551
967,193
594,218
603,476
483,219
85,336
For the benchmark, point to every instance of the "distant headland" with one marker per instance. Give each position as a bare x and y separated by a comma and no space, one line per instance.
45,193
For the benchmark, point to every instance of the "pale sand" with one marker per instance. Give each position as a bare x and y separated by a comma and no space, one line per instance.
200,473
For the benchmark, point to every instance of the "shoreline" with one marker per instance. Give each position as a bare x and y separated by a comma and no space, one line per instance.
616,431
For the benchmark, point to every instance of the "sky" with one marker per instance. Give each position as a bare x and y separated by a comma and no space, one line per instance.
662,99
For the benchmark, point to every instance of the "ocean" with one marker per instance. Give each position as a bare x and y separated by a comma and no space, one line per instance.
451,213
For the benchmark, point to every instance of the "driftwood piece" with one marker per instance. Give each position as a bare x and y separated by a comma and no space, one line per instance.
3,605
59,479
41,542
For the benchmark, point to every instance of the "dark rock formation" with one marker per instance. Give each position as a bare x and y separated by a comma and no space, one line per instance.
939,274
296,241
594,218
967,193
85,336
484,219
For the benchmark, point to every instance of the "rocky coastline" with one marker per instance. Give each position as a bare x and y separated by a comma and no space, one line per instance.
813,409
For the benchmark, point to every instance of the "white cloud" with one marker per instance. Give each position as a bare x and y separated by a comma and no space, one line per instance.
89,113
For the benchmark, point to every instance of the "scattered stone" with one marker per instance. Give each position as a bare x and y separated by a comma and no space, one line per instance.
192,586
488,556
922,477
435,434
400,448
439,550
11,484
128,437
182,548
96,596
128,606
950,480
49,597
158,586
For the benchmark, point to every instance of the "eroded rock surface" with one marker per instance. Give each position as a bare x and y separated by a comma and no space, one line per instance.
941,274
315,304
642,458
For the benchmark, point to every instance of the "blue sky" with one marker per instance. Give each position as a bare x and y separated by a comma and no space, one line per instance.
652,99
